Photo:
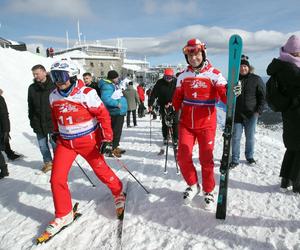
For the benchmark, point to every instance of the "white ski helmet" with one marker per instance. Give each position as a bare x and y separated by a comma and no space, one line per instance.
65,65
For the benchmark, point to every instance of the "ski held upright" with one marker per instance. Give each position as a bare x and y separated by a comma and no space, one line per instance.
235,52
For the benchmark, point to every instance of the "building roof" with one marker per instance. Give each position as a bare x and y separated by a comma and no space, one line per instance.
131,67
77,54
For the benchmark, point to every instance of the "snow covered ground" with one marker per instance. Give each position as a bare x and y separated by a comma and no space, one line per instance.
259,215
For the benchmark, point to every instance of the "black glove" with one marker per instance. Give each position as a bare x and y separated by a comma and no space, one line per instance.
54,137
105,147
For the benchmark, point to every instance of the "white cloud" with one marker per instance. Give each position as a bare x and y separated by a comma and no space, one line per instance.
216,39
172,7
53,8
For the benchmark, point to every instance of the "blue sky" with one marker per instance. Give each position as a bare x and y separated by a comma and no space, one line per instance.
157,29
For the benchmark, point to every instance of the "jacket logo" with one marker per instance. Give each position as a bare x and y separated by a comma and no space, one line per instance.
66,108
196,84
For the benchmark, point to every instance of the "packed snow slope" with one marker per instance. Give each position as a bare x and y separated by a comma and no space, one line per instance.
259,215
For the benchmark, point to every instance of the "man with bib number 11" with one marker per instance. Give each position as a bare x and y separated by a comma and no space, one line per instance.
83,127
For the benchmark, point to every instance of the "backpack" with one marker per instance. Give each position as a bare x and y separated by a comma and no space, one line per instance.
276,100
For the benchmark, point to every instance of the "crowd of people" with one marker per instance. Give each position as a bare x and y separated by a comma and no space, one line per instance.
86,118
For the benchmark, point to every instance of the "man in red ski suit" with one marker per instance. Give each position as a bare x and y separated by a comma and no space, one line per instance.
197,91
83,126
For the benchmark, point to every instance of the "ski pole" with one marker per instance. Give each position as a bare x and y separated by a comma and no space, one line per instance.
175,151
123,165
166,159
85,174
150,128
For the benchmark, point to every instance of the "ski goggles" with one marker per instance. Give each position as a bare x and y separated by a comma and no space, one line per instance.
59,77
193,50
168,78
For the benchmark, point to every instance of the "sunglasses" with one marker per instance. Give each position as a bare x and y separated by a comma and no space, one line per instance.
59,77
193,50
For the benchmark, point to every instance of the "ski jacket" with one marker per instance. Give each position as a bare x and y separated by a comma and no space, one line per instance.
132,98
163,91
39,112
80,113
287,76
197,93
141,93
111,99
4,121
4,118
252,98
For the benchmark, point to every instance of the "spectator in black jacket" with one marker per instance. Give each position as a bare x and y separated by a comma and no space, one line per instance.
12,155
163,90
4,136
285,71
88,80
249,105
39,112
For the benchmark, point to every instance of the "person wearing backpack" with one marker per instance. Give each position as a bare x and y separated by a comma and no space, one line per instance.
285,74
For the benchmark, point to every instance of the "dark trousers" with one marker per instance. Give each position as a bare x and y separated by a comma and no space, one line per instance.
290,168
3,166
128,117
117,126
165,129
8,150
141,110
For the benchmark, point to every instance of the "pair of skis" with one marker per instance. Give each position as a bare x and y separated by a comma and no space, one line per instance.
235,52
174,150
169,119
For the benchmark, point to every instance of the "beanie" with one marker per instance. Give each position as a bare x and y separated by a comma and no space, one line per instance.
292,45
112,74
244,61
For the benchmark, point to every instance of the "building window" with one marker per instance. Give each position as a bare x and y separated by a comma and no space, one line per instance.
92,64
102,73
101,64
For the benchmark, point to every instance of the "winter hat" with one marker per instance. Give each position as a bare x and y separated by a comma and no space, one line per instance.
244,61
112,74
292,45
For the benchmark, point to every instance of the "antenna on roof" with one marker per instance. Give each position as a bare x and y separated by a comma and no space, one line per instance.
79,33
67,37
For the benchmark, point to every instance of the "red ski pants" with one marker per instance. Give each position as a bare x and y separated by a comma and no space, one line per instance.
205,138
65,153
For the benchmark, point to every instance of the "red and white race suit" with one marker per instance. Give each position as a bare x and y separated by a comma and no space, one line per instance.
82,122
196,95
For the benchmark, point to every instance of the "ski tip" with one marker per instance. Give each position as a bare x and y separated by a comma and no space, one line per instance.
236,39
43,238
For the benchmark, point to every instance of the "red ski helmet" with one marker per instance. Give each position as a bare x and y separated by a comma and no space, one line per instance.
169,72
194,46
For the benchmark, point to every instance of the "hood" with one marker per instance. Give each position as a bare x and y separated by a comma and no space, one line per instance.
277,66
